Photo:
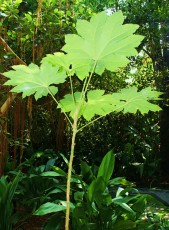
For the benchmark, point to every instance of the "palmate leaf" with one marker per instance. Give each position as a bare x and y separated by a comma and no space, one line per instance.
90,108
36,80
104,42
128,100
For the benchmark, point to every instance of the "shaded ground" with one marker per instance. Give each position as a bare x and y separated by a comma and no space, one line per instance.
158,216
33,223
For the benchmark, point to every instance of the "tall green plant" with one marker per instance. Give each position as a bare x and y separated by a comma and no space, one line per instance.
102,44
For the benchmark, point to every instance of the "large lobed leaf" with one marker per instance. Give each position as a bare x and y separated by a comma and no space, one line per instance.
36,80
97,103
128,100
103,42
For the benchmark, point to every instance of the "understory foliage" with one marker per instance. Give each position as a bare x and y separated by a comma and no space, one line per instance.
97,200
103,43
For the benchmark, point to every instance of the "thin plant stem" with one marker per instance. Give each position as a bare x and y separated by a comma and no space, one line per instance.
75,128
83,89
87,84
71,86
70,171
91,122
57,104
98,118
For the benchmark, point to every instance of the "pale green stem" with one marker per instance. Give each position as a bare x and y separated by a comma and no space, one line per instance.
70,171
91,122
76,114
83,89
93,69
98,118
71,86
62,105
86,84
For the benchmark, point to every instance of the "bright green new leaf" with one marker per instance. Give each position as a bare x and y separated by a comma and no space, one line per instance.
120,201
51,174
103,43
96,104
59,171
32,79
130,100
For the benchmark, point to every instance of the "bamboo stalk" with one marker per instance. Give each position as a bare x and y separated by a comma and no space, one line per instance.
8,49
11,97
4,108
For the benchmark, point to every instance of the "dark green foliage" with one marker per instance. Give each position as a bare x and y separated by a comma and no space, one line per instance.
7,191
100,202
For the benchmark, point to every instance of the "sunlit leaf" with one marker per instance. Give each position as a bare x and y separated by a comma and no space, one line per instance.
32,79
103,43
59,59
130,100
97,103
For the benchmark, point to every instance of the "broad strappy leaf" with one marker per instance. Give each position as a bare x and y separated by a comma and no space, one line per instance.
36,80
49,207
106,167
103,43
